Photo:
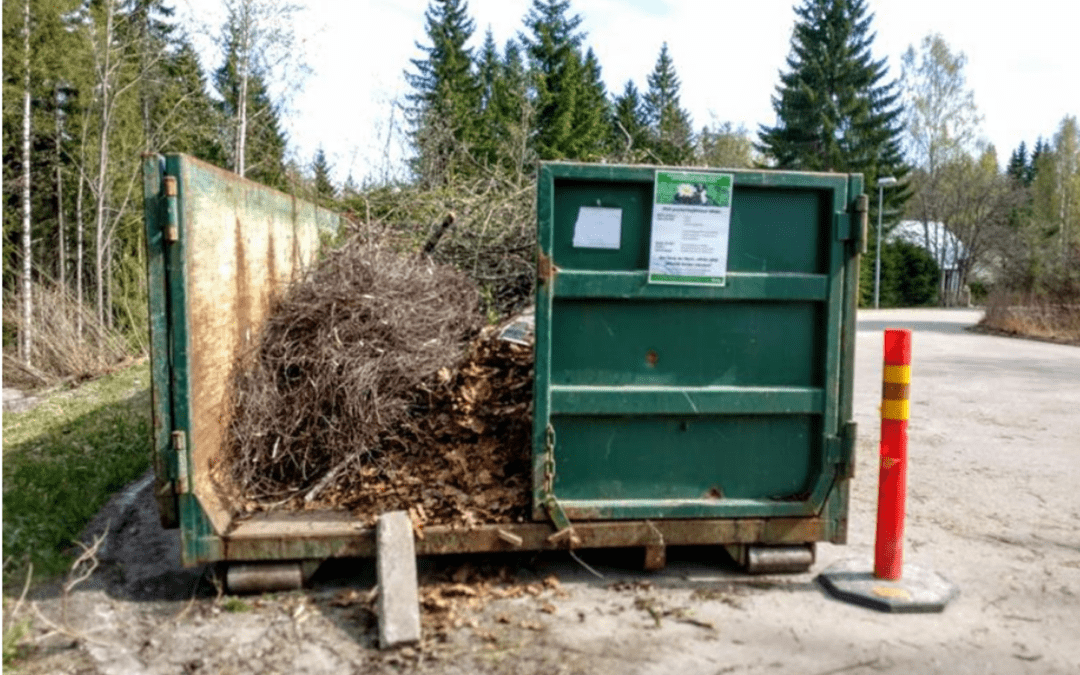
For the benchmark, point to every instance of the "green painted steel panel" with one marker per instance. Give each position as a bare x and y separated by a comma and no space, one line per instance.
707,457
685,343
657,401
156,220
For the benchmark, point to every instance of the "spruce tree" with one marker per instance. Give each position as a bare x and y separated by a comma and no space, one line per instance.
629,130
184,117
1041,148
1017,166
592,115
446,95
489,71
671,138
503,119
264,146
488,68
835,109
320,168
564,84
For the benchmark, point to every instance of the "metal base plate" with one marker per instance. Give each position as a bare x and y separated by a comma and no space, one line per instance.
919,591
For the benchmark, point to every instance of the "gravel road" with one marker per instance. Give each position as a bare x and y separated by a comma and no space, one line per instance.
993,505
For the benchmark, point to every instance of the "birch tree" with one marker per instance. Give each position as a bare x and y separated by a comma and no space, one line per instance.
26,331
258,46
941,123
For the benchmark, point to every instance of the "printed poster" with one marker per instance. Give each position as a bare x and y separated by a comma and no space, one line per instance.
691,222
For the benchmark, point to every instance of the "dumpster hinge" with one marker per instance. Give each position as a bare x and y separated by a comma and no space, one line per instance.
172,225
842,451
564,530
862,218
179,444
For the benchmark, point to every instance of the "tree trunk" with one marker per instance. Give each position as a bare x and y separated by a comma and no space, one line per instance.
107,259
79,234
61,235
241,127
27,331
103,165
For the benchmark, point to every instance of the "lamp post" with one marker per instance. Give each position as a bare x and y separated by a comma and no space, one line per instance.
882,182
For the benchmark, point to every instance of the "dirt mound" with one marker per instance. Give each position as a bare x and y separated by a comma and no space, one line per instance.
364,392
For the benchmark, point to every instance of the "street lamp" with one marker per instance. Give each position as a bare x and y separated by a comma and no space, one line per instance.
882,182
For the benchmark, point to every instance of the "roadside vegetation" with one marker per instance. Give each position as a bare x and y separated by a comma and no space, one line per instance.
1048,315
62,461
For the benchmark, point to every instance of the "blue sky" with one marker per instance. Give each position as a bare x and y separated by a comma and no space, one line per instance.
1022,60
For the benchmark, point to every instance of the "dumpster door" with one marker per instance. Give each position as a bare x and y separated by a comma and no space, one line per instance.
220,249
679,401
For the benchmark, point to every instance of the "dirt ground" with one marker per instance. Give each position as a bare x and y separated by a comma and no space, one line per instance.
993,505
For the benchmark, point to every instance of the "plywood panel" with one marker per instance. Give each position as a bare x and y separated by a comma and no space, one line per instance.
243,244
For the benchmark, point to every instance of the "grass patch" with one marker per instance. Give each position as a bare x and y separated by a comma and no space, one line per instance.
234,604
13,642
62,461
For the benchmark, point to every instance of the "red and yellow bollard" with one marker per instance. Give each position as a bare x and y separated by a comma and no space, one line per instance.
891,587
892,483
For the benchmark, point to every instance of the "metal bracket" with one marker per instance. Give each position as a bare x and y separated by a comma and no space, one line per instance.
839,451
564,531
179,444
172,227
853,226
862,216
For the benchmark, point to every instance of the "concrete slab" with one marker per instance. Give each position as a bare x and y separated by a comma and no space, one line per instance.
919,591
399,596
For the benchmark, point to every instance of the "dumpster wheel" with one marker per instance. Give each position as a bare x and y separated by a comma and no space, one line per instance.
762,559
266,577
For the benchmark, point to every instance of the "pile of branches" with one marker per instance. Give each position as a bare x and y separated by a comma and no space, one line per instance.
373,389
493,239
339,361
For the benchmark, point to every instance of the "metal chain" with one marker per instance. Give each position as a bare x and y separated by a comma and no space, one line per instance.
549,460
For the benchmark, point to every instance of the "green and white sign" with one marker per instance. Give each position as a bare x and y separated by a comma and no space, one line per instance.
691,221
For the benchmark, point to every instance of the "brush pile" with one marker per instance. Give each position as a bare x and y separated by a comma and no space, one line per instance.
371,388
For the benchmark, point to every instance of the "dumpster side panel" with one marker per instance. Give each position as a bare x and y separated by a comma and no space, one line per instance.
240,245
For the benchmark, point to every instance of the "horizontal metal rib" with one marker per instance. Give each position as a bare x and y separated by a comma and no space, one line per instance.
738,286
636,400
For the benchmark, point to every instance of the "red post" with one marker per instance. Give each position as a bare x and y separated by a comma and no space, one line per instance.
892,484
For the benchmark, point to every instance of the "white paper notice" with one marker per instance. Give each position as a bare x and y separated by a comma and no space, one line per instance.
598,227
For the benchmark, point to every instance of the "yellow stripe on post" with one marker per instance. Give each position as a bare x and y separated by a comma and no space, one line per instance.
895,410
897,374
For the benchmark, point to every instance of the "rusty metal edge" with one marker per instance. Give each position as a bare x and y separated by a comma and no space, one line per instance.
534,537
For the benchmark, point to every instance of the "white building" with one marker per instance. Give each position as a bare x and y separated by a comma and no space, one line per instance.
943,246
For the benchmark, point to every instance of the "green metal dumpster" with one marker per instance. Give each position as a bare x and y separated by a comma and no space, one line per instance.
704,410
726,394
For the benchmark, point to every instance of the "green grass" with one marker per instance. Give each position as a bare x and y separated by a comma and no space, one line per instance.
235,604
62,461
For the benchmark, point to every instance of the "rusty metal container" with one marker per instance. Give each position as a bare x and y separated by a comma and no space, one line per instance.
664,414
